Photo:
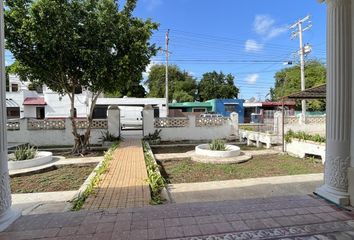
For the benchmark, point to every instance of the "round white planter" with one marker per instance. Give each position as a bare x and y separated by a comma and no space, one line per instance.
204,150
41,159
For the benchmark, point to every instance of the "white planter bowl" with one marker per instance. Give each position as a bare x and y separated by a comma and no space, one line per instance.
41,159
204,150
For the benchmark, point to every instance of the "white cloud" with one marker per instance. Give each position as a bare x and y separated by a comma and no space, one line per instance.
264,25
252,78
152,4
253,46
148,69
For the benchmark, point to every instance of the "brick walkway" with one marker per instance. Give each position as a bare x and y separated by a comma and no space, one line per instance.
300,218
124,185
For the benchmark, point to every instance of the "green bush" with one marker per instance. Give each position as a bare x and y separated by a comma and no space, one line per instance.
154,136
302,136
109,137
247,128
25,153
155,180
217,145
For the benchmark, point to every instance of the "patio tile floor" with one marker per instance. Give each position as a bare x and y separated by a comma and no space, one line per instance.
293,217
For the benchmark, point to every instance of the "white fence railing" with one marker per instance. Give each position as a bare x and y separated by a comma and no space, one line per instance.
209,121
13,124
46,124
171,122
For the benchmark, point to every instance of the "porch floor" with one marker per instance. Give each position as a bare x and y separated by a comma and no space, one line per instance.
291,217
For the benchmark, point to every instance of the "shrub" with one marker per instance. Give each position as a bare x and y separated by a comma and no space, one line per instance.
302,136
154,136
217,145
155,180
25,153
109,137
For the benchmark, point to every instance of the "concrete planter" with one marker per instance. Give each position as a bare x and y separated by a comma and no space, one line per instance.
301,148
204,150
41,159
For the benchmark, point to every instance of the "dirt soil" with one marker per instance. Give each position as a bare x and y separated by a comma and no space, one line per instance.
187,171
62,178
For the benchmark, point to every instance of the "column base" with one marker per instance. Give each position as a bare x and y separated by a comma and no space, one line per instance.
351,184
337,197
8,217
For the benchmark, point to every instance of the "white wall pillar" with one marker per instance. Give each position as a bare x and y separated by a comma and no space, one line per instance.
148,120
113,119
339,101
234,123
7,215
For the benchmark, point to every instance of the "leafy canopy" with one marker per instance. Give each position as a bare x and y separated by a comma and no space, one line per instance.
217,85
70,43
181,85
315,74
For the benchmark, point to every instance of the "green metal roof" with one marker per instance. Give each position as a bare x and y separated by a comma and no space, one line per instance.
190,104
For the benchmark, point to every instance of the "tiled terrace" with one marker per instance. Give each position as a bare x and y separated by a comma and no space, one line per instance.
124,184
300,217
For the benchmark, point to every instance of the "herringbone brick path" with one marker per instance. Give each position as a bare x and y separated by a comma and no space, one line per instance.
124,185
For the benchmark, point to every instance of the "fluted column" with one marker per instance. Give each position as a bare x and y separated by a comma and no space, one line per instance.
339,100
7,215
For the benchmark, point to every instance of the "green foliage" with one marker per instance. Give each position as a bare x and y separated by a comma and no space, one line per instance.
182,86
153,136
217,85
315,74
303,136
155,180
25,152
247,128
217,145
79,201
81,43
109,137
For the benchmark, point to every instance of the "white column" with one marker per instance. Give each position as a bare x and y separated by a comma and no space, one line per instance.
339,101
351,169
7,215
148,120
234,123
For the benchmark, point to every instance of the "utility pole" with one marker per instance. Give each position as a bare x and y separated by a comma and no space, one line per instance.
166,81
303,50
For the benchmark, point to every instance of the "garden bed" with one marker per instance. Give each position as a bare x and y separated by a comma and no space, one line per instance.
57,178
68,154
184,149
187,171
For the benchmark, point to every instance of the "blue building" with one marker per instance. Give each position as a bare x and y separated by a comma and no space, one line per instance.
219,106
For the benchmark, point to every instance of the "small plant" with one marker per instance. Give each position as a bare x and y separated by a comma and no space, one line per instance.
109,137
247,128
155,180
25,153
217,145
153,137
303,136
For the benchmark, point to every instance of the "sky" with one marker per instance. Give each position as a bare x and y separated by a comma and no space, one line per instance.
247,38
250,39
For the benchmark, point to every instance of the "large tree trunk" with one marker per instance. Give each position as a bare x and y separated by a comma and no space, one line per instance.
77,137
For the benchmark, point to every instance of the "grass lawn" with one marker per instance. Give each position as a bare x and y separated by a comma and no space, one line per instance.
187,171
63,178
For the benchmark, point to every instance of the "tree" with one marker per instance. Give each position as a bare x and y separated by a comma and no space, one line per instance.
68,44
315,74
215,85
181,85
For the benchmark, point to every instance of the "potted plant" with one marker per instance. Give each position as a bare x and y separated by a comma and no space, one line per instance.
108,139
153,138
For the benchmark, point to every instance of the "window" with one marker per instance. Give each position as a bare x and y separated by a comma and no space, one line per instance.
13,112
202,110
40,113
230,107
156,112
14,87
100,112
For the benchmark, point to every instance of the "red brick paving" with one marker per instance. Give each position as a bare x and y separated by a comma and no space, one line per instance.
124,185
